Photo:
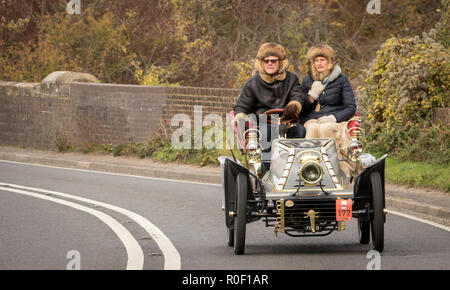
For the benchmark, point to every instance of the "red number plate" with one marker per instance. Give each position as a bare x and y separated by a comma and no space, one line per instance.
343,209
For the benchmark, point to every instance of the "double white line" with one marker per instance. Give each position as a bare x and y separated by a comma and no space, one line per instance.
134,251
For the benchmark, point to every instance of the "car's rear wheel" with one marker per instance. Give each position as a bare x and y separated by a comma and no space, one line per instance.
364,231
230,237
240,221
377,223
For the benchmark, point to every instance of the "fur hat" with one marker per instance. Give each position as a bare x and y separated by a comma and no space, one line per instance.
271,49
324,51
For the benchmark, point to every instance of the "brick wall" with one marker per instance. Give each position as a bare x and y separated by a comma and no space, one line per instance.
183,100
40,115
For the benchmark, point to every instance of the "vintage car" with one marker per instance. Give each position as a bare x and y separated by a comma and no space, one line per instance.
305,193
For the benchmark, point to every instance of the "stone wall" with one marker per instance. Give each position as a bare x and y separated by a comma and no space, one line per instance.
44,115
72,109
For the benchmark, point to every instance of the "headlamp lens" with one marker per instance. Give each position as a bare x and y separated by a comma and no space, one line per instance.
311,172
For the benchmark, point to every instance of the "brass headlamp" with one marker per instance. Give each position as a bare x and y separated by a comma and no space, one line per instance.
253,150
355,147
311,172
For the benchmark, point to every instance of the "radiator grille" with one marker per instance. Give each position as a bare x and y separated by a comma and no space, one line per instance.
296,215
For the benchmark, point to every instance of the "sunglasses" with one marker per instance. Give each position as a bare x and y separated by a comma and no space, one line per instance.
271,60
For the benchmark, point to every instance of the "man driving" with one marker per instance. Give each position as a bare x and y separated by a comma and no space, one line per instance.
272,87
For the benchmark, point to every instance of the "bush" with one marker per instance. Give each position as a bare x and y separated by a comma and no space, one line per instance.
86,43
442,29
407,80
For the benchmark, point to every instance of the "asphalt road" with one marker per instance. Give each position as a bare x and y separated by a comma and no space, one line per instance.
155,224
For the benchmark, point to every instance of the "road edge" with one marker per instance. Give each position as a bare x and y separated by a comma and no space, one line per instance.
213,177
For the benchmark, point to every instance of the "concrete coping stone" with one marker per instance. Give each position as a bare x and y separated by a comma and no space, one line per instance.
67,77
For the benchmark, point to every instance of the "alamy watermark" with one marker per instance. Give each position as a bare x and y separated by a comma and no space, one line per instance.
212,132
374,7
74,260
74,7
375,260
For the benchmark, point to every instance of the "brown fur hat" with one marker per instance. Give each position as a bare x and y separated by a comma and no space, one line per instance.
271,49
324,51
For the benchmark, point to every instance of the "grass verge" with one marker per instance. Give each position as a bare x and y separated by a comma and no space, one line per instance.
410,174
436,176
157,149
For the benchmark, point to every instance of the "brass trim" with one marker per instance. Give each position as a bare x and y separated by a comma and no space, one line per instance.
341,226
312,215
279,227
307,182
289,203
299,154
287,168
274,189
330,169
257,131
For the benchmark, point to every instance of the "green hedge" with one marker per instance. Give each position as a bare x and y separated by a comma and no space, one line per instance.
407,80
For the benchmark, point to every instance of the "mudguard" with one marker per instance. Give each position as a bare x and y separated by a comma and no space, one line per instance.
230,170
363,187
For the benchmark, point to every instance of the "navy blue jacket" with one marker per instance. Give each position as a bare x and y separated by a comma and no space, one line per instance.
336,99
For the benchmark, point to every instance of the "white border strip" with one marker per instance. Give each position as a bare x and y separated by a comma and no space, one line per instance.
202,183
172,259
445,228
113,173
135,255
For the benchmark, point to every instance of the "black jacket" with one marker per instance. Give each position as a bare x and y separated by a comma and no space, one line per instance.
257,96
336,99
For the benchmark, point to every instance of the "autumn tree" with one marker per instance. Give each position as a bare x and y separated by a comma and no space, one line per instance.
194,42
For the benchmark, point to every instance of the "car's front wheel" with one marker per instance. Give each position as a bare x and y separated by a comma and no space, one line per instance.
378,218
240,221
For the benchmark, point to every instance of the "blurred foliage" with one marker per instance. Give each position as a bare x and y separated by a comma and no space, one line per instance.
155,148
85,44
205,43
442,28
210,43
155,76
408,79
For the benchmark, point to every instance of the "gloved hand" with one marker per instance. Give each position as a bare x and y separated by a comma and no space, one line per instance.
239,117
316,89
293,108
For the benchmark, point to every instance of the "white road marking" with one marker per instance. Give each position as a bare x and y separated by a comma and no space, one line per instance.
213,184
113,173
172,259
420,220
135,255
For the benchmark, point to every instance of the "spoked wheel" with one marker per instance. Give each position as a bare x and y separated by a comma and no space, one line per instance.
364,231
377,223
230,237
240,221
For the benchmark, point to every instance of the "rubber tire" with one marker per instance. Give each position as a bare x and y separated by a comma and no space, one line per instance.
240,220
377,223
364,231
230,237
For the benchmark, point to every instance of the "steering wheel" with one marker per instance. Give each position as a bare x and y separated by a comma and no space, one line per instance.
288,121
